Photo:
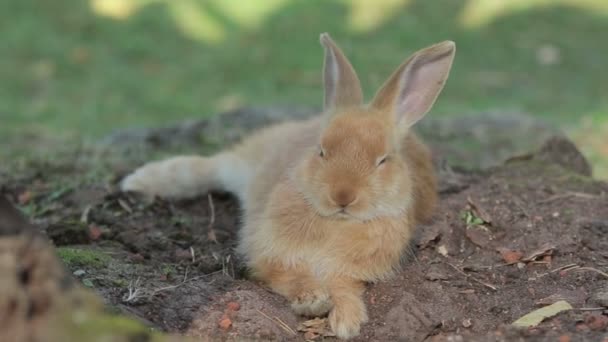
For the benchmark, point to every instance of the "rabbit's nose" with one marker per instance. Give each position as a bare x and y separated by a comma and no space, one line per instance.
344,197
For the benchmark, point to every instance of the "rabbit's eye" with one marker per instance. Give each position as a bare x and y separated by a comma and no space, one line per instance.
381,160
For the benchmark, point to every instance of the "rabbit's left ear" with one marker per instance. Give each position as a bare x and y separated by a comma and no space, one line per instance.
411,91
342,86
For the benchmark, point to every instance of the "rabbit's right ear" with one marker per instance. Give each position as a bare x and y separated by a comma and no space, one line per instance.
342,86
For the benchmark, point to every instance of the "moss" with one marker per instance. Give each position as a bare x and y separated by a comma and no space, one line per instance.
75,257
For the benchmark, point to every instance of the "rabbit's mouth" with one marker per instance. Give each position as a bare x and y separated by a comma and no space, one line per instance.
343,214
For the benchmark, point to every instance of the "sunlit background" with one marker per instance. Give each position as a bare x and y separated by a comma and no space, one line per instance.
79,69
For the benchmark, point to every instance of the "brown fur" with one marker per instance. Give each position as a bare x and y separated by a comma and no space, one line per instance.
332,202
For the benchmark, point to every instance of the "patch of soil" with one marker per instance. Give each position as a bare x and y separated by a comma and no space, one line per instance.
502,244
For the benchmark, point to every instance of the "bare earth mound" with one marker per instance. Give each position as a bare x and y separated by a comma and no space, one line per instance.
504,242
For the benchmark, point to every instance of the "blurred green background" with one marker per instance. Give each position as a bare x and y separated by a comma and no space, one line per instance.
78,69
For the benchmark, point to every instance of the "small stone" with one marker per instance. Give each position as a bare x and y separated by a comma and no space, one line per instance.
467,323
79,273
225,323
600,297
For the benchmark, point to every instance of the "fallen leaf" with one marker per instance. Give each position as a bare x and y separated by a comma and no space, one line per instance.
225,323
315,328
233,306
479,235
546,249
428,235
183,254
94,232
510,256
479,211
535,317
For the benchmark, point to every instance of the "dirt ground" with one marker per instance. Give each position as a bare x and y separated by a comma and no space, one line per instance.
504,242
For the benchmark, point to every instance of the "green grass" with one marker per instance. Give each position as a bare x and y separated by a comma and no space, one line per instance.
80,69
75,257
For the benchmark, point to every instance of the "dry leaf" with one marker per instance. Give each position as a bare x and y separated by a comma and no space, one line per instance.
94,232
315,328
546,249
479,211
510,256
225,323
535,317
479,235
428,235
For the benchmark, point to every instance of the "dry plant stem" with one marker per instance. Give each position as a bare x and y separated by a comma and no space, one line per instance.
280,323
569,194
468,276
593,270
561,268
210,230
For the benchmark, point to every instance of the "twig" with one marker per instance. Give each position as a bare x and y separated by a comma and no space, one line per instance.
569,194
591,309
281,324
134,292
192,254
211,236
593,270
84,218
561,268
468,276
185,274
571,267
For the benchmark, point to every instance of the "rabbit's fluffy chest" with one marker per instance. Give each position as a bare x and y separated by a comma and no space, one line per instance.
294,234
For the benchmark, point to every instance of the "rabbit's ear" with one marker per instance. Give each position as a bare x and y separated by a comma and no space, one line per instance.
342,86
411,91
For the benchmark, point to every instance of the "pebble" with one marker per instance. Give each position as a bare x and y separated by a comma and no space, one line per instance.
79,273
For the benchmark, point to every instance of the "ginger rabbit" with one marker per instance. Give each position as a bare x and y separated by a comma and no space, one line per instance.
329,203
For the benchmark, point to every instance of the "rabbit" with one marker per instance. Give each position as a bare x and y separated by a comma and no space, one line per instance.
330,203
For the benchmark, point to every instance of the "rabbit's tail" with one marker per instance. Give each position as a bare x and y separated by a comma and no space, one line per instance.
189,176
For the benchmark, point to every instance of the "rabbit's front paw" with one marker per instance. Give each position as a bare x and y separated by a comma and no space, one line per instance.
313,303
346,321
